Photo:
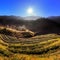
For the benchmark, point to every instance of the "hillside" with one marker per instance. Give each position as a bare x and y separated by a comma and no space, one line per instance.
24,33
45,26
43,47
29,39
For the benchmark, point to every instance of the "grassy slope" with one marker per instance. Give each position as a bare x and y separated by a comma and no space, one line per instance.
30,48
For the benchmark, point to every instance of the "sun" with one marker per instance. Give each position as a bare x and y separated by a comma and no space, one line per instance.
30,11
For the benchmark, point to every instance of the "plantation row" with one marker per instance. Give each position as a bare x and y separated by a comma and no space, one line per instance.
33,40
16,49
22,46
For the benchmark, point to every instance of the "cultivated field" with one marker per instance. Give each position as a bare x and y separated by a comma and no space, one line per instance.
42,47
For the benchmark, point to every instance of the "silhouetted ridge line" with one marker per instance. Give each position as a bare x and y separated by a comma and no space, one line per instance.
39,26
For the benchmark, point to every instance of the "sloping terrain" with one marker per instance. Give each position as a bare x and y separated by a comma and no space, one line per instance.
43,47
17,33
40,26
29,40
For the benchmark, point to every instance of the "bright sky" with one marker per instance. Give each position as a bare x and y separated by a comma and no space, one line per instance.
42,8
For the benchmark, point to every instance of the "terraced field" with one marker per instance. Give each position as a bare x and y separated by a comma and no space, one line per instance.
42,47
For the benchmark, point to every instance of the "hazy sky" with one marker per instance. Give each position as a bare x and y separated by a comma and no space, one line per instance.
40,7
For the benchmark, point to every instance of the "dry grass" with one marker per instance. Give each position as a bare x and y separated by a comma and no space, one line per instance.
16,33
43,47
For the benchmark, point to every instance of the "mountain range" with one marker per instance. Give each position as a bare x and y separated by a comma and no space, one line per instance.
37,24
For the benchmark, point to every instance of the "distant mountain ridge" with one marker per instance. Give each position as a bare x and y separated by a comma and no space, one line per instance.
40,25
55,18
